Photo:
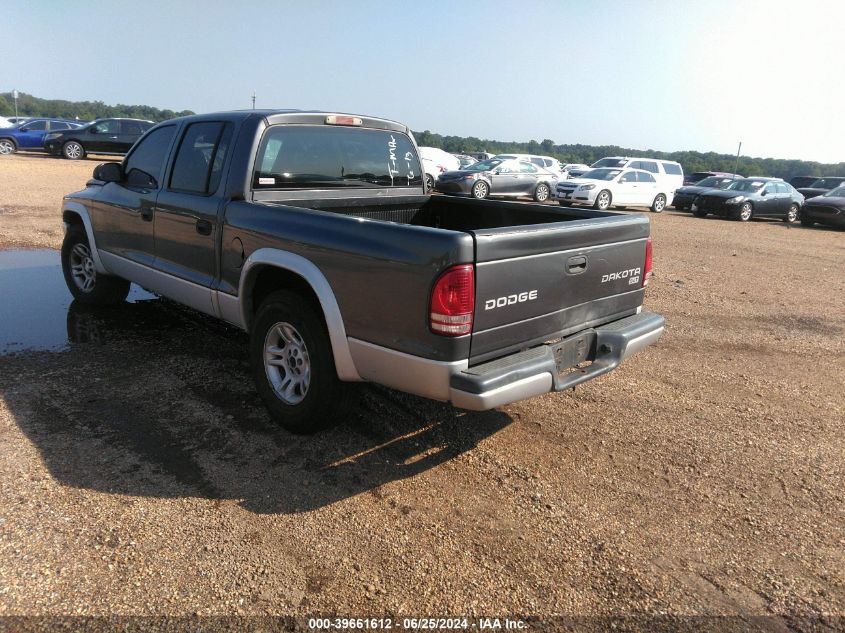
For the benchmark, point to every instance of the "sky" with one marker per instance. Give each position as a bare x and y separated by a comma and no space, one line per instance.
665,75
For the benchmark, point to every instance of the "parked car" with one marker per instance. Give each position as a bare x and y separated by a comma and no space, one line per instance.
821,186
568,168
828,208
621,187
697,176
15,120
499,177
751,198
544,162
465,160
480,155
311,231
435,161
668,173
4,122
103,136
685,196
29,135
802,181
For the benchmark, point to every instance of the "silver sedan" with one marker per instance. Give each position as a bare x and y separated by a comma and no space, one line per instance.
498,177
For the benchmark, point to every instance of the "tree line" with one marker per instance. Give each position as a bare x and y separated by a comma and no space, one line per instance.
588,154
29,105
691,161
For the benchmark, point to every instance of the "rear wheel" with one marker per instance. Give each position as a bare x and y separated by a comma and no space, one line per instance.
480,190
792,214
293,366
81,276
603,200
7,146
73,150
659,203
541,193
699,213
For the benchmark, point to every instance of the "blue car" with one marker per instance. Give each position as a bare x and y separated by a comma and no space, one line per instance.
30,134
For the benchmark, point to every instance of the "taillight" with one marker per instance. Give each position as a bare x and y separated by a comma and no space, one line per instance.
453,301
442,168
647,267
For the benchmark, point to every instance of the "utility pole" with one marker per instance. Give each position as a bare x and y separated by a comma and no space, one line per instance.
736,165
15,97
253,99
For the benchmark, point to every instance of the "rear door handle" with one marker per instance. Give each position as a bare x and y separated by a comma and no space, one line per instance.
147,214
576,265
204,227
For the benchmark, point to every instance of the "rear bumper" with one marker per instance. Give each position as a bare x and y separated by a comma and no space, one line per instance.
539,370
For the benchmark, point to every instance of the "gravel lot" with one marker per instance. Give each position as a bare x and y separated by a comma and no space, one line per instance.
139,474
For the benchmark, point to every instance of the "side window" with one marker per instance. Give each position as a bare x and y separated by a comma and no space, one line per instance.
144,165
537,161
527,168
650,166
672,169
58,125
645,177
768,189
109,126
36,126
199,160
630,176
782,187
131,127
506,168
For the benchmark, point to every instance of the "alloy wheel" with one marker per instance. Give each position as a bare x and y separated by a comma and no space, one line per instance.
287,363
82,268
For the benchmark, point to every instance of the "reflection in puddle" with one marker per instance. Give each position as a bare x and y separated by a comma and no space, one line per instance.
34,301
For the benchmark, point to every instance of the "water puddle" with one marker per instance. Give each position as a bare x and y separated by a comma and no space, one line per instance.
35,303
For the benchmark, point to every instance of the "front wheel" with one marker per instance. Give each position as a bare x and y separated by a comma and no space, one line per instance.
7,146
659,203
746,211
73,150
541,193
805,221
480,190
603,200
699,213
293,366
792,214
81,276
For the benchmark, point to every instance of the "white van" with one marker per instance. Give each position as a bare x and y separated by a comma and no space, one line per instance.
545,162
664,171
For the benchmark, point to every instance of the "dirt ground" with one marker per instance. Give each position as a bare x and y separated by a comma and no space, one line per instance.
139,473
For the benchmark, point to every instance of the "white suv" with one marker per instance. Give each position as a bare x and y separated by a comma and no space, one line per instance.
608,186
667,172
544,162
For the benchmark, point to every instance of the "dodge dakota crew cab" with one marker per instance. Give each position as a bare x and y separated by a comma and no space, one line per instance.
313,232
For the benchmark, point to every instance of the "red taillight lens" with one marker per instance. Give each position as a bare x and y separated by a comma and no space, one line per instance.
453,301
647,267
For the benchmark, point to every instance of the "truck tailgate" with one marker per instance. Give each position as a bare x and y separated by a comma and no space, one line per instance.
540,282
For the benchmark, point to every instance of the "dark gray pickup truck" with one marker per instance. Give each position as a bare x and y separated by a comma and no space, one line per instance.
313,232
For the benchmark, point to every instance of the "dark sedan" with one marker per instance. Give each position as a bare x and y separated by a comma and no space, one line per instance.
498,177
103,136
828,208
751,198
821,186
697,176
685,196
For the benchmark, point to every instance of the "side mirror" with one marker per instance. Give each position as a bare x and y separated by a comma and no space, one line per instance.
109,172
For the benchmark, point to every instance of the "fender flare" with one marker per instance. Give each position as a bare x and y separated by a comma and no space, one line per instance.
320,285
77,208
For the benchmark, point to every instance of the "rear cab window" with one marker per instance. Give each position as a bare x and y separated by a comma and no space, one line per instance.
315,156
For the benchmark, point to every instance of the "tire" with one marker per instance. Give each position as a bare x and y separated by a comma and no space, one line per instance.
699,213
480,190
72,150
429,183
293,366
7,146
81,276
659,203
806,221
745,213
791,214
541,193
603,200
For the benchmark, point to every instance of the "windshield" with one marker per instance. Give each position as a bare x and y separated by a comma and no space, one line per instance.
304,156
749,186
485,165
839,192
827,183
609,162
717,182
602,174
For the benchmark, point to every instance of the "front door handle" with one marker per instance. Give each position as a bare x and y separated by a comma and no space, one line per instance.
147,214
204,227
